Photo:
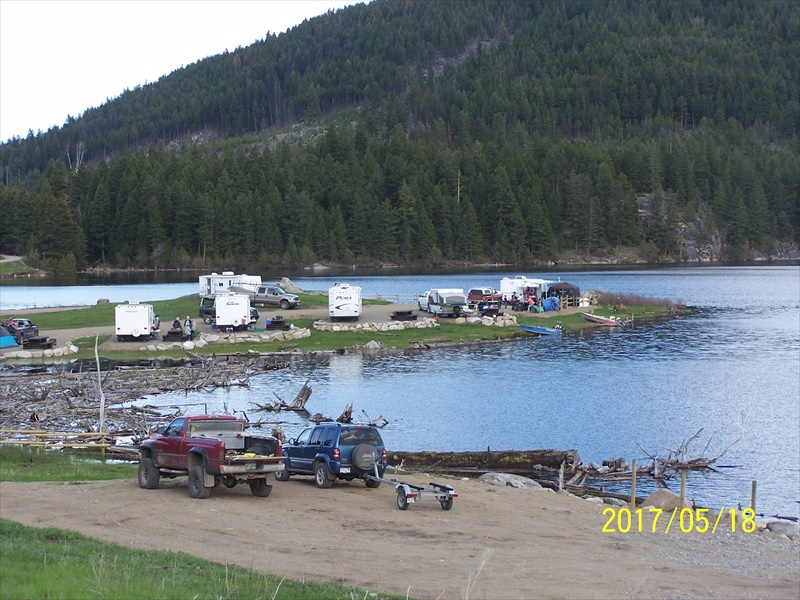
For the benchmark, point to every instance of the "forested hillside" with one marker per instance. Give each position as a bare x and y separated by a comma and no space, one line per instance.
426,132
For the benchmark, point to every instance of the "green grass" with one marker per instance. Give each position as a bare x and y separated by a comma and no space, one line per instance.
13,267
58,465
54,563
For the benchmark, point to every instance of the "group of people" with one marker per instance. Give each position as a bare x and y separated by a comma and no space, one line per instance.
187,328
528,303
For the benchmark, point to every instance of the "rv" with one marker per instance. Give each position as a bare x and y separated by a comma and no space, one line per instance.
233,311
134,321
211,285
344,302
447,302
524,287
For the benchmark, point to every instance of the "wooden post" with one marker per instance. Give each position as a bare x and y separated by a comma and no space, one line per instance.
633,485
683,488
561,476
753,495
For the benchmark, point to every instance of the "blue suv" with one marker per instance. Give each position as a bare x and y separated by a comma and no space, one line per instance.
334,451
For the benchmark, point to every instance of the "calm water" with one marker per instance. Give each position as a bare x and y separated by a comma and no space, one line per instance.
731,368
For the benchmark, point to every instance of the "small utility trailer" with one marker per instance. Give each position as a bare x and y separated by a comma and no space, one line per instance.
408,493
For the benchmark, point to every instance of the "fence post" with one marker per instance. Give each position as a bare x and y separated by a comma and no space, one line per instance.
683,489
633,485
753,495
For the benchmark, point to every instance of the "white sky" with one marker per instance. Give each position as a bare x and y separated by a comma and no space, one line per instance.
60,58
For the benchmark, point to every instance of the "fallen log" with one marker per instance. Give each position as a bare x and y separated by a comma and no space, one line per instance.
518,462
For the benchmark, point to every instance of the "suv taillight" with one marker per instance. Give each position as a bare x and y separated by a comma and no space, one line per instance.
336,455
383,455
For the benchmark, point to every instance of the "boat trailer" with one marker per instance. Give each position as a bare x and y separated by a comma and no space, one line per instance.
408,493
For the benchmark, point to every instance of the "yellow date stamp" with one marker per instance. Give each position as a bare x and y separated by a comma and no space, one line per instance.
684,520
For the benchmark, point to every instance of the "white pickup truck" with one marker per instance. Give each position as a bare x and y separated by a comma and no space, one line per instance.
422,301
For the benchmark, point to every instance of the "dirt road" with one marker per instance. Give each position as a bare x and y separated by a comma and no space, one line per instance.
496,542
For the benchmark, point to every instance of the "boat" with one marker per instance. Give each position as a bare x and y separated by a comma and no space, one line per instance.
541,330
600,320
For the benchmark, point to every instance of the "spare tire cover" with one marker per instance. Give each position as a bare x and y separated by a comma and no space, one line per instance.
364,456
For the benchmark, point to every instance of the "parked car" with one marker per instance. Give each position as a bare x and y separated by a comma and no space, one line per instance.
26,329
334,451
273,295
422,301
211,450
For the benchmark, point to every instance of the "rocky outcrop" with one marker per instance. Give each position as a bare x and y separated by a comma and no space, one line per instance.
374,327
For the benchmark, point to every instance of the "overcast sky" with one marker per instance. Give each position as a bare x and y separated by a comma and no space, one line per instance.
59,58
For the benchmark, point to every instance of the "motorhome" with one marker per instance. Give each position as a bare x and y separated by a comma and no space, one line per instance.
211,285
447,302
344,302
134,321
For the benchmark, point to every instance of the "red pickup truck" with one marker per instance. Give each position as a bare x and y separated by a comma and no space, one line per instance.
210,450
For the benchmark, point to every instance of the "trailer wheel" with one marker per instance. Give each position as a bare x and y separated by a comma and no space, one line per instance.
197,487
321,476
402,501
149,475
372,483
260,488
447,503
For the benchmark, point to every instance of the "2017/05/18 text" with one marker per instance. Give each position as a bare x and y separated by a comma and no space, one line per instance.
622,520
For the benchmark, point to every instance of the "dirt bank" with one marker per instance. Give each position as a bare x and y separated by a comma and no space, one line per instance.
496,542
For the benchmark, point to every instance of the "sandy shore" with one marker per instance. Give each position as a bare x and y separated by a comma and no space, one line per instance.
496,542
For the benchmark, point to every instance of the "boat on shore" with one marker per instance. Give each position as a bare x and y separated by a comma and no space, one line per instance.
541,330
600,320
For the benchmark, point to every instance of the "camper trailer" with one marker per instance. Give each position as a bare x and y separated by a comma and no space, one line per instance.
233,311
447,302
211,285
524,287
134,321
344,302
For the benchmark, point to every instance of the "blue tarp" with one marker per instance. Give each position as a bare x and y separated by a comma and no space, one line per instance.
551,303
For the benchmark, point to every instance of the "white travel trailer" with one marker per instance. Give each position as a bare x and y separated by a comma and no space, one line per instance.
524,286
211,285
447,302
344,302
232,310
134,321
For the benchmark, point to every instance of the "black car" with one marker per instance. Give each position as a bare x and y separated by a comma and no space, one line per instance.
334,451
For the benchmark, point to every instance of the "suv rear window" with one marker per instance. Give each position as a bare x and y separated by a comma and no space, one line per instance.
353,436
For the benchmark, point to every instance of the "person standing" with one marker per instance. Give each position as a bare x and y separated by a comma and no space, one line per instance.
188,328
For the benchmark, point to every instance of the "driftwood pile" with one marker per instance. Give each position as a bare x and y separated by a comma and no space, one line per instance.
63,401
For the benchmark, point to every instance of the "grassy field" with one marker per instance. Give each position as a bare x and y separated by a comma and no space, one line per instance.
13,267
55,563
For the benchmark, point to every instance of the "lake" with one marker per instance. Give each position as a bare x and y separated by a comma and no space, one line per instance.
731,367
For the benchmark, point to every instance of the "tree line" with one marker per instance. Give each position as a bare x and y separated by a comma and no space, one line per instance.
431,131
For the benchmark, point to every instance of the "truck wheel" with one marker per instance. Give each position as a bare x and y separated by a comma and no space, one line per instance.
285,304
402,501
372,483
197,487
364,457
260,488
149,475
207,320
282,475
321,476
